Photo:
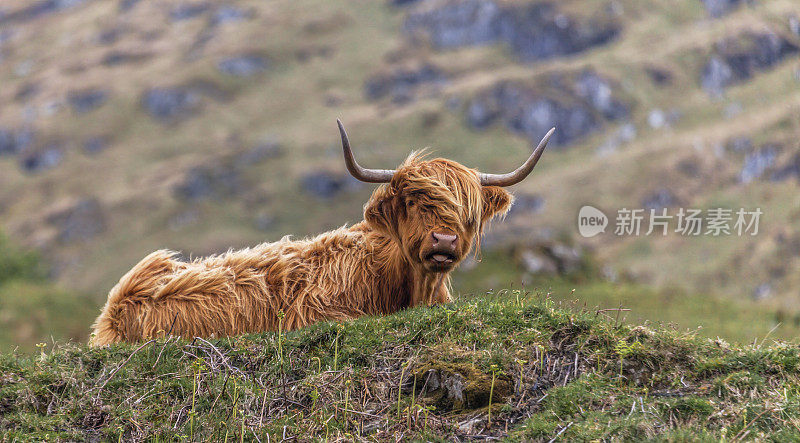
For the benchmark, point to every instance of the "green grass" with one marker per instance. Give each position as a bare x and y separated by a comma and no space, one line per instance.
33,310
709,315
550,371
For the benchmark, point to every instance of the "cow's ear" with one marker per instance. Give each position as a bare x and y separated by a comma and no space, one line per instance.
496,201
380,212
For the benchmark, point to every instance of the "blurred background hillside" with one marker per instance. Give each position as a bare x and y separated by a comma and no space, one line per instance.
128,126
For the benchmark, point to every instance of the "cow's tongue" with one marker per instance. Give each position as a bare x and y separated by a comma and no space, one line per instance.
440,258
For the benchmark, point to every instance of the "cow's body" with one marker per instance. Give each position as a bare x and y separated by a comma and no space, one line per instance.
338,275
418,226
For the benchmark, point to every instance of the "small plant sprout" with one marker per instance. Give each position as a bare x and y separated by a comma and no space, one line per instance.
521,364
314,397
241,435
518,295
400,386
339,329
413,399
428,409
347,384
197,367
495,371
281,315
41,347
319,364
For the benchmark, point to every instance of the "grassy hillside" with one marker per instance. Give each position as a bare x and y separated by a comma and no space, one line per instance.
514,366
32,309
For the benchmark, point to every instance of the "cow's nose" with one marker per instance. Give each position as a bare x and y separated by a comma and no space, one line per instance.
444,240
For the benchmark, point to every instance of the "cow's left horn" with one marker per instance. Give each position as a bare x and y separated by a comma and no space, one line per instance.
520,173
363,174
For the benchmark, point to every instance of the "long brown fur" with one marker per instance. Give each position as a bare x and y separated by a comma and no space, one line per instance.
372,268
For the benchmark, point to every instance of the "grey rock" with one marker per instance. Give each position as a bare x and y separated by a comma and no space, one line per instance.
537,263
718,8
127,5
568,258
790,170
86,100
472,426
609,273
264,222
717,74
657,119
453,24
115,57
454,383
660,199
550,257
263,151
327,185
229,14
739,144
14,142
186,11
183,219
660,76
42,160
242,65
739,58
109,36
431,381
95,145
597,91
534,31
216,181
170,103
537,31
6,35
624,134
756,163
38,9
577,110
453,103
526,204
400,82
762,291
23,68
689,167
81,222
27,92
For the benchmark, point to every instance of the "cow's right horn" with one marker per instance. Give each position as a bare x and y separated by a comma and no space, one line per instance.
363,174
520,173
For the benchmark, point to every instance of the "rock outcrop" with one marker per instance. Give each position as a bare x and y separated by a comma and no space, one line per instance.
737,59
578,104
534,31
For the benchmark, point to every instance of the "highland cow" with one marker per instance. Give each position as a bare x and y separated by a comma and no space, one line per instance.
417,227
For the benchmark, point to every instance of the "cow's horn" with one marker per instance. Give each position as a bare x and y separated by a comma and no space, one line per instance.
520,173
363,174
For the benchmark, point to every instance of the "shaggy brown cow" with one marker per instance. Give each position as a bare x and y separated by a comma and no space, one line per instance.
417,228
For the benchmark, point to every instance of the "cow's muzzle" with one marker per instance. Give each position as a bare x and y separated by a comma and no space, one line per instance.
442,254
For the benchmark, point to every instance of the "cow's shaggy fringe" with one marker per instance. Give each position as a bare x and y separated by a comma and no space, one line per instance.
369,268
